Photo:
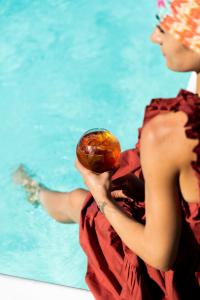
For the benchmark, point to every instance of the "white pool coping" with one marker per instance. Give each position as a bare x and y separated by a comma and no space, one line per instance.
14,288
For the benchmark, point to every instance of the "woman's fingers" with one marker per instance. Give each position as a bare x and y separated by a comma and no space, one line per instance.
118,194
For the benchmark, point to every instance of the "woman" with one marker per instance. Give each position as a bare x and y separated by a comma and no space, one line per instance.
140,226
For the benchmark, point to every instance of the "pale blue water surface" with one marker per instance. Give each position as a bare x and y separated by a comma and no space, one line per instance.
67,66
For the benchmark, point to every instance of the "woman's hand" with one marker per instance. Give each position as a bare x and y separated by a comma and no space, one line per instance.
98,184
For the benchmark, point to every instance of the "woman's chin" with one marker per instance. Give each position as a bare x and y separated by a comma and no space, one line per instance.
171,67
174,68
178,67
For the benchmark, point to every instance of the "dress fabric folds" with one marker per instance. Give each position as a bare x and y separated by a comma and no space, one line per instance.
113,271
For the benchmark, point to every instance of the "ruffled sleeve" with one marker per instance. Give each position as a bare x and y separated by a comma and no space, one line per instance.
156,107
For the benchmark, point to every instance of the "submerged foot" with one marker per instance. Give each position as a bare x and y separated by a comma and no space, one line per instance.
32,188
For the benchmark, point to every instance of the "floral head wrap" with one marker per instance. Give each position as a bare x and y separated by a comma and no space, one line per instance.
181,18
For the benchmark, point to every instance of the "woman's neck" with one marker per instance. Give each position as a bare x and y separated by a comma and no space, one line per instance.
198,84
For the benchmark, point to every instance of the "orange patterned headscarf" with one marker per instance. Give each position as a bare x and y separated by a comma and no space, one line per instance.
182,21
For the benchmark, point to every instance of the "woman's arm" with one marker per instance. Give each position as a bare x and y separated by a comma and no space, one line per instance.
152,241
156,242
162,156
161,165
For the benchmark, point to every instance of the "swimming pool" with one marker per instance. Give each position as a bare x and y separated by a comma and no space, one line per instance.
66,67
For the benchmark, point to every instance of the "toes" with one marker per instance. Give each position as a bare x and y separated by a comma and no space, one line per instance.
18,176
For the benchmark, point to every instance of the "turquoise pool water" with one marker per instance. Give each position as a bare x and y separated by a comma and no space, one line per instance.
67,66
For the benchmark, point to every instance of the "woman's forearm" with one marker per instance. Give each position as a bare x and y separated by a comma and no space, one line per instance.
129,230
155,242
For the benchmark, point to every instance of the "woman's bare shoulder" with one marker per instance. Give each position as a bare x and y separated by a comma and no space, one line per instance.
168,133
168,129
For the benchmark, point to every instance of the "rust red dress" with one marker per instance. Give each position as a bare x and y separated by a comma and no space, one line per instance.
113,270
